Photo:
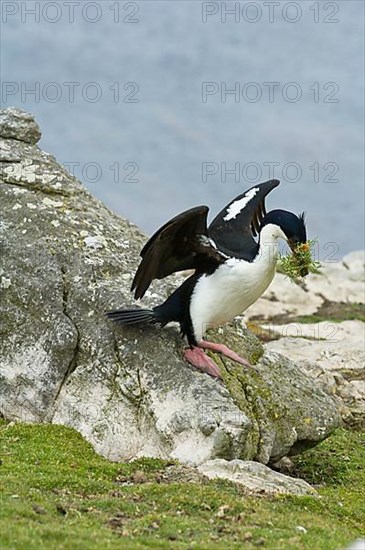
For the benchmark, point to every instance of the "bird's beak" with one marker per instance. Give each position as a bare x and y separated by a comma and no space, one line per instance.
293,245
304,271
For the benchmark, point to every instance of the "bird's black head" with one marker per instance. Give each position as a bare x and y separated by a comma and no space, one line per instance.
293,226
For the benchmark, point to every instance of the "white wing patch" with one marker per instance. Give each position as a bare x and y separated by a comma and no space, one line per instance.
207,241
236,207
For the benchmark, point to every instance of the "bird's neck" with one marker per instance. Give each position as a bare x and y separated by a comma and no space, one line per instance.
268,244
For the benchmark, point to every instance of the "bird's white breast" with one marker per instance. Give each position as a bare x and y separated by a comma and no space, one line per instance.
229,291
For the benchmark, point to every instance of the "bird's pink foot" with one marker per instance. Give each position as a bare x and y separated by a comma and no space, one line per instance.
221,348
201,361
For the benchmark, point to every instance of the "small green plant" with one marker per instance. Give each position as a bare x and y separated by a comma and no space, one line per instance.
300,262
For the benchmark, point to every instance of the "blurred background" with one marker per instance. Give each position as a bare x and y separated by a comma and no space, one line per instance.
160,106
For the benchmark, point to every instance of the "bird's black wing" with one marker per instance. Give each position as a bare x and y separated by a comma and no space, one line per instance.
182,243
234,228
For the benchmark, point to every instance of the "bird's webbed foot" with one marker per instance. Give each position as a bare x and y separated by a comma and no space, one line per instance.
199,359
224,350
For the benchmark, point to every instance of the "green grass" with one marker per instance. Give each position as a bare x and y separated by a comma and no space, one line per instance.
335,312
58,494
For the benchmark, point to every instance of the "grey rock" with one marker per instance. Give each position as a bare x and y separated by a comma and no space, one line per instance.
354,262
284,465
333,352
66,260
20,125
290,413
338,283
256,477
358,544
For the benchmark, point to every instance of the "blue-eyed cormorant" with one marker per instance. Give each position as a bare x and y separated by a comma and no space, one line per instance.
232,269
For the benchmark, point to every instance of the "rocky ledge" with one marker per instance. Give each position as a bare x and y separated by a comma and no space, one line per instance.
66,259
320,323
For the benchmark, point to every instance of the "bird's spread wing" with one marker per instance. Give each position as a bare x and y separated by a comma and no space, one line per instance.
182,243
234,228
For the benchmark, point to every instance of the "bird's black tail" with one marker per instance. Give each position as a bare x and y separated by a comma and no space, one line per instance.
133,316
